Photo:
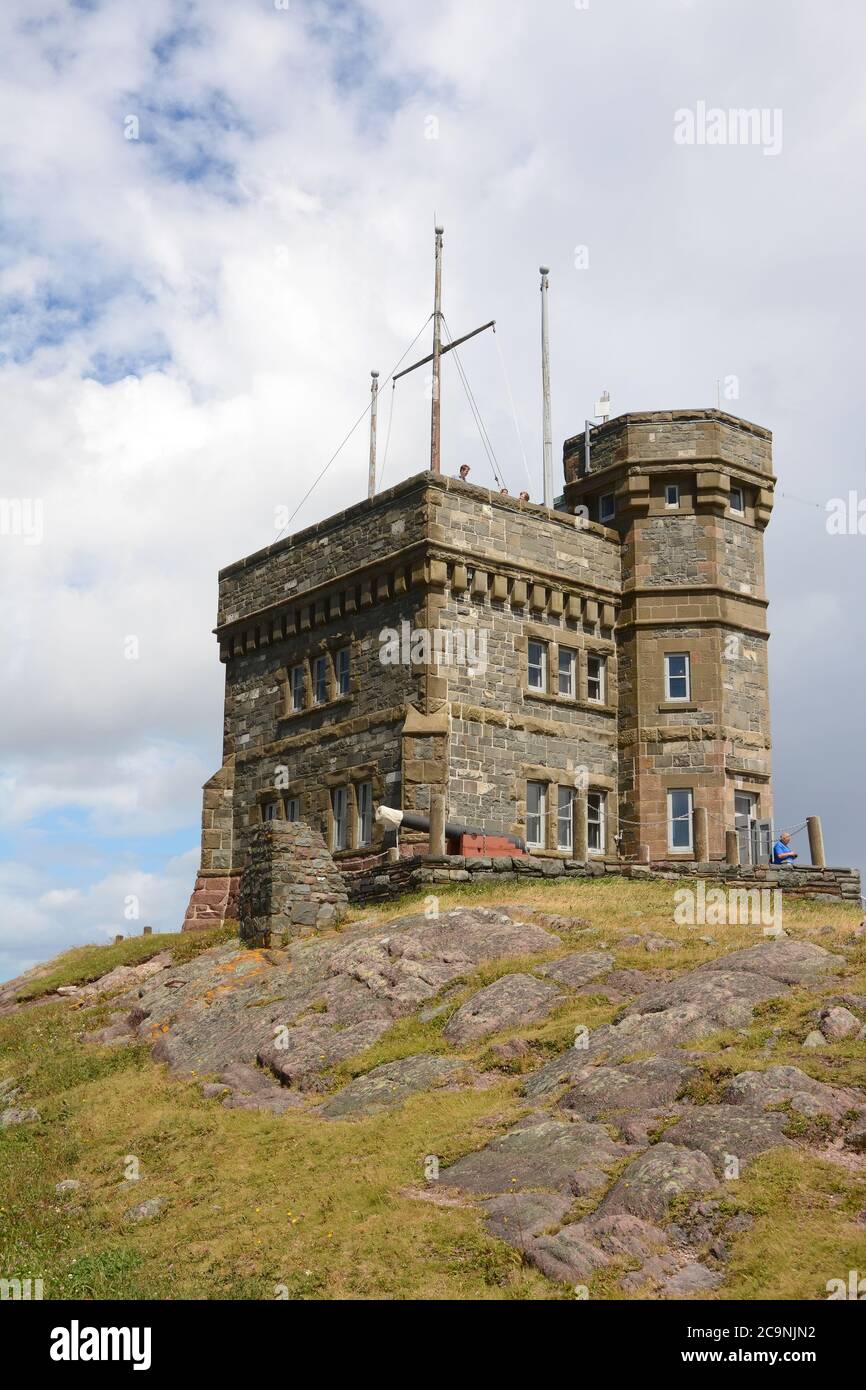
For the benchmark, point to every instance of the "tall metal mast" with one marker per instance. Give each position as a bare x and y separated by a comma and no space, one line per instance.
436,356
545,388
436,415
374,389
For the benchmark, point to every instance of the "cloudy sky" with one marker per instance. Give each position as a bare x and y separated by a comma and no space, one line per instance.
217,218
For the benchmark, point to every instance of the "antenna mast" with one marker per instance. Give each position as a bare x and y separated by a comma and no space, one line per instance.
374,390
435,423
437,354
545,387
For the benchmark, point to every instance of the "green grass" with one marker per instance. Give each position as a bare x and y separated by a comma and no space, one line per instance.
83,964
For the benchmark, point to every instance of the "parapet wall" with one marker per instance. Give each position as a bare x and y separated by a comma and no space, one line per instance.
388,880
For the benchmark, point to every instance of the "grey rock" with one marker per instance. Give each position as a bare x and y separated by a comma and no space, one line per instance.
665,1030
722,1130
659,943
610,1091
651,1274
243,1087
838,1023
815,1039
650,1184
516,1217
550,1154
569,1256
511,1001
717,993
312,1047
114,1035
856,1137
743,1221
578,968
564,1068
622,1235
67,1185
146,1211
390,1084
790,962
510,1049
692,1279
22,1116
789,1085
124,977
630,982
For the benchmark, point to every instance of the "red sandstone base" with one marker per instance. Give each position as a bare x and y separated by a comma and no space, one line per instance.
214,899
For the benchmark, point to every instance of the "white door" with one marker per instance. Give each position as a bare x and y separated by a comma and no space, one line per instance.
745,813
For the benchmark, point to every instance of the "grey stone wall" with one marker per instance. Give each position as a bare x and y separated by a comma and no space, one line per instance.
388,881
290,885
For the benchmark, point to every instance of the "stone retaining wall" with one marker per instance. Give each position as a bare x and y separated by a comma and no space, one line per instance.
388,880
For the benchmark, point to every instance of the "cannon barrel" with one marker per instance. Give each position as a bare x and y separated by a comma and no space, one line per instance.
415,820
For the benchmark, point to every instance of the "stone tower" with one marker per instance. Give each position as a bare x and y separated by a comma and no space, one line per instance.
603,692
690,493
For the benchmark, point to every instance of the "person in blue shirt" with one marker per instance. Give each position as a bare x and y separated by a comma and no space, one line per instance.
781,852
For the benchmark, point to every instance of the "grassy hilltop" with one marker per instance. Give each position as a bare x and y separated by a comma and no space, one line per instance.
266,1205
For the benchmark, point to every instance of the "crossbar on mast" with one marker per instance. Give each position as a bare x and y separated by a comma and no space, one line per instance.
449,347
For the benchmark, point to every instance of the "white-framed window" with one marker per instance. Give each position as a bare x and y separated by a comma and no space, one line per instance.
364,817
320,680
536,814
270,811
672,494
678,676
595,678
680,818
343,671
738,501
567,670
595,805
564,818
606,507
536,672
746,804
297,686
293,808
338,818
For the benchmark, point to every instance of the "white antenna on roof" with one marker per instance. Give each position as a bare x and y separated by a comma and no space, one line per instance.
602,407
602,412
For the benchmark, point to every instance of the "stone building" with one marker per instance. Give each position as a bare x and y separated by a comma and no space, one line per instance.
584,676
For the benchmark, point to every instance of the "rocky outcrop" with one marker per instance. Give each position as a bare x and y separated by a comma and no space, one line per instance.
510,1002
628,1124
